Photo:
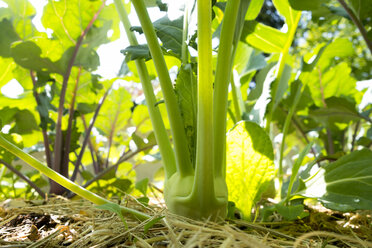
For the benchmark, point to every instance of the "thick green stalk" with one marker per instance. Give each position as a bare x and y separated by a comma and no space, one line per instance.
223,72
204,179
65,182
184,55
281,63
183,161
160,132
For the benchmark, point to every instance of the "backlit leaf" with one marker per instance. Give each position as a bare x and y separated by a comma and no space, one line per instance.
28,55
344,185
7,37
250,166
186,91
264,38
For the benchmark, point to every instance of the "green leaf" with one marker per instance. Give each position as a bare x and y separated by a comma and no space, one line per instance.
5,13
344,185
250,165
28,55
254,9
151,223
337,110
140,143
22,14
6,68
122,184
115,208
7,37
287,11
264,38
114,115
362,8
86,58
136,52
68,20
305,4
335,81
186,91
169,32
86,108
291,213
142,186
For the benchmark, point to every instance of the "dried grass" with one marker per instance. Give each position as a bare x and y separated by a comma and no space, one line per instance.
80,224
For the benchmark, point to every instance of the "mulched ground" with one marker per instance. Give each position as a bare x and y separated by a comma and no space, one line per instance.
59,222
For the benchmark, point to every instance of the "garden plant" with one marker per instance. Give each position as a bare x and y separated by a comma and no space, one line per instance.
247,118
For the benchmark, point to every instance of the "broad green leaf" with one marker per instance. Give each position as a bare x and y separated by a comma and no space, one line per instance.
115,114
25,122
287,11
186,91
6,68
291,213
67,20
169,32
86,108
171,61
7,37
250,166
24,101
28,55
335,81
305,4
362,8
86,57
125,170
254,9
344,185
140,143
142,186
122,184
22,14
136,52
5,13
141,119
264,38
337,110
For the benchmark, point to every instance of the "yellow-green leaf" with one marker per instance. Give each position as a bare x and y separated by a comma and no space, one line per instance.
250,166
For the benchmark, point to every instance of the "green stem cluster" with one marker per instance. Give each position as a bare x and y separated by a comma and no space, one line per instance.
197,191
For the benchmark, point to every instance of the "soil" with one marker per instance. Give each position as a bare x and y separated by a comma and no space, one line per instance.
59,222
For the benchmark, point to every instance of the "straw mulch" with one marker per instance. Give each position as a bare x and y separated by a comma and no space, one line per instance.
59,222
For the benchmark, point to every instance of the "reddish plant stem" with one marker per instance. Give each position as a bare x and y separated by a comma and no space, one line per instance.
48,153
111,136
25,178
87,134
59,140
66,151
124,157
93,152
357,23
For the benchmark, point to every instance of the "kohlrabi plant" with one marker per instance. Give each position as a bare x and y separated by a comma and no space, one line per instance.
194,154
